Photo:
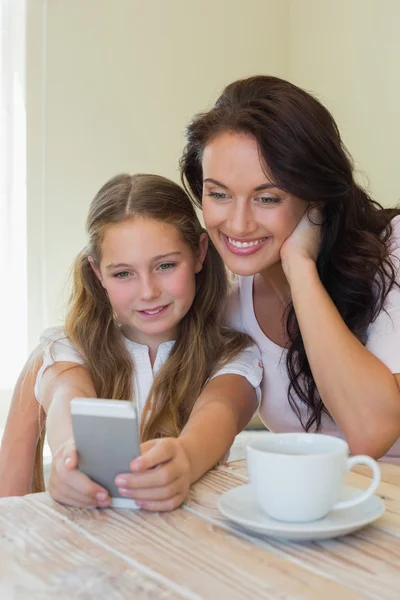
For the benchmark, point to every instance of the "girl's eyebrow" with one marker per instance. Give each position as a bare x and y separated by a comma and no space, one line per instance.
154,259
162,256
118,266
259,188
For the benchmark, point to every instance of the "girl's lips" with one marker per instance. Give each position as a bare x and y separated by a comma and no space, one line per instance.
247,250
150,314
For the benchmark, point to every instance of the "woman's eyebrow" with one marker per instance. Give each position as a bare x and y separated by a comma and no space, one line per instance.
210,180
259,188
264,186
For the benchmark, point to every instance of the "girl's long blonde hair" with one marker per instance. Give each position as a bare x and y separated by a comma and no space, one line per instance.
203,343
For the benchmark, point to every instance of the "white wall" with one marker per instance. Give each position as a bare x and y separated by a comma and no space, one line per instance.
348,52
112,85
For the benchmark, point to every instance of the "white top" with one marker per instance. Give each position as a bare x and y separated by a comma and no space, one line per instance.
58,348
383,341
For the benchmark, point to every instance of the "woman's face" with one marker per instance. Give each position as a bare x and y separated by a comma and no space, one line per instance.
247,217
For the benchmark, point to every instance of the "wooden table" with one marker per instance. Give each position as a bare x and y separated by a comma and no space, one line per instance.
48,551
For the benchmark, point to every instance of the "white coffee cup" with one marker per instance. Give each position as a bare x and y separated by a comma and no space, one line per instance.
298,477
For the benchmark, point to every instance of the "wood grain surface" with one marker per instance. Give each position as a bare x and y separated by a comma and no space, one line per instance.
49,551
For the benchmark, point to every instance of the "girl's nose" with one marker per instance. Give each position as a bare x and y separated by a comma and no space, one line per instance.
149,289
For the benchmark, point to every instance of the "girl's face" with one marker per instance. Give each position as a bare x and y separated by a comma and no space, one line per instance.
148,272
247,217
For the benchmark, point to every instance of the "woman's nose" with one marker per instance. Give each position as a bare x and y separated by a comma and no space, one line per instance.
241,220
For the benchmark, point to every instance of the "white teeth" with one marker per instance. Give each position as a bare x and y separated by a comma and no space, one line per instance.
245,244
153,312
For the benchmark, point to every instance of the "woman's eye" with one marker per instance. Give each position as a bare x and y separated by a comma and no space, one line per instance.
122,275
218,195
268,199
166,266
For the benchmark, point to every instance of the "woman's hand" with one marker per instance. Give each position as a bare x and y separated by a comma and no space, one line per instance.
160,478
69,486
304,242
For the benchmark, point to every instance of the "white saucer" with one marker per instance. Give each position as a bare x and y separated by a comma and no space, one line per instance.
239,505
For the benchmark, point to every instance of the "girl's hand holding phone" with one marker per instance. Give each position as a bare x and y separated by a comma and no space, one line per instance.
160,478
69,486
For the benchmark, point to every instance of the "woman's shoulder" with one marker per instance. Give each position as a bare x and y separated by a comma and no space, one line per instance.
393,244
240,302
395,234
234,303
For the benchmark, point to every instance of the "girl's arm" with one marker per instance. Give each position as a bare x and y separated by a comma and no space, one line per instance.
21,434
360,392
62,382
223,409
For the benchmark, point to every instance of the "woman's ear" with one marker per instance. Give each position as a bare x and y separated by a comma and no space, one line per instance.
95,269
203,247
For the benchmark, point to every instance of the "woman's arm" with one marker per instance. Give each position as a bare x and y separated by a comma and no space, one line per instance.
360,392
21,434
223,409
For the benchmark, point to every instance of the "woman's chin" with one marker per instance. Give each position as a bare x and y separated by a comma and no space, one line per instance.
246,267
243,272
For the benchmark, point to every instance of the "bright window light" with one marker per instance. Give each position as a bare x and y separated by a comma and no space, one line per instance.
13,234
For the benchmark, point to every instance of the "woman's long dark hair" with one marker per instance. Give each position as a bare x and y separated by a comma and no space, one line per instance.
300,143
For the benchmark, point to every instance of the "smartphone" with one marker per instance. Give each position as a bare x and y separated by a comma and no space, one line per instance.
107,439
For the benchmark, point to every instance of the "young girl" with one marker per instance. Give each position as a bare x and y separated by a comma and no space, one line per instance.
145,322
318,261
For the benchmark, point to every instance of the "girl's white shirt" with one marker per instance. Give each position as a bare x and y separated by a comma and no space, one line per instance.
58,348
383,340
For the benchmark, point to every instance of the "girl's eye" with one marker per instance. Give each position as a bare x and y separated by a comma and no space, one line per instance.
122,275
268,200
218,195
166,266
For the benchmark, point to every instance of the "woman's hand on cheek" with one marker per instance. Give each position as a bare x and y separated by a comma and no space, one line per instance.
304,242
69,486
160,478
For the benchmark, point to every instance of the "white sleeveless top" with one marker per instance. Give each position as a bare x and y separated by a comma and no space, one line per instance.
383,340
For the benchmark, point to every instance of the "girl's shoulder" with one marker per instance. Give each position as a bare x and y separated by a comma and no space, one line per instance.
57,347
53,334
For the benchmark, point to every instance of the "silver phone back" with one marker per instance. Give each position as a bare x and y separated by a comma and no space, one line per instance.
106,445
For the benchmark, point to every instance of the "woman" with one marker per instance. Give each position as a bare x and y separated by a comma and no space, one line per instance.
317,259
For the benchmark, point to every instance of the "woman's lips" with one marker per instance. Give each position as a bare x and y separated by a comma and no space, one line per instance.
244,247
